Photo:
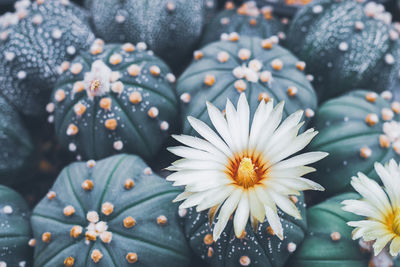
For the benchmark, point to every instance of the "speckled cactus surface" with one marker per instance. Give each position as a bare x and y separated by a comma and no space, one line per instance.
34,41
328,241
258,67
246,19
258,247
346,44
15,230
113,212
356,129
171,28
113,99
16,147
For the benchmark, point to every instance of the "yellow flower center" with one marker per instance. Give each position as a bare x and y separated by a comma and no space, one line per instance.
94,86
246,175
246,171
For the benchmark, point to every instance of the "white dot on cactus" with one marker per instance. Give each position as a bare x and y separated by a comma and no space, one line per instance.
9,56
309,113
182,212
3,264
282,35
37,19
50,107
56,34
394,35
118,145
22,264
164,126
389,59
387,95
310,77
224,21
91,163
274,39
7,209
346,119
147,171
317,9
359,25
210,4
239,72
120,18
291,247
71,50
72,147
65,2
141,46
21,75
224,37
50,119
343,46
78,157
345,163
171,77
185,97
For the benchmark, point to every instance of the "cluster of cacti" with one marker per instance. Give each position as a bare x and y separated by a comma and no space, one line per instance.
357,129
114,212
114,98
15,229
260,68
245,20
197,133
171,28
257,247
34,41
346,44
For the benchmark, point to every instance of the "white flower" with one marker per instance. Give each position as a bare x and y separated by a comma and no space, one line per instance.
244,169
381,207
97,81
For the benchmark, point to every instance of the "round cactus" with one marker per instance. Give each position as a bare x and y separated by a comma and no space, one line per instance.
15,230
328,240
111,213
114,98
258,247
259,68
171,28
34,41
357,130
244,20
346,44
16,148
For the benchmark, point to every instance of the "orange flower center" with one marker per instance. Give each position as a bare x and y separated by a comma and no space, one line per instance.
247,171
396,222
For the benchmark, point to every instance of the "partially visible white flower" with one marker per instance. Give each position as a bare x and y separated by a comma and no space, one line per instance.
97,81
380,207
244,169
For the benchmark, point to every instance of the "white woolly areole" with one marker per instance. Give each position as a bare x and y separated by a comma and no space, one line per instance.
392,130
97,81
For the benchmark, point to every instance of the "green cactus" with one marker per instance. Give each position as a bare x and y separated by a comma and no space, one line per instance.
15,230
34,41
356,129
111,213
171,28
115,98
16,148
259,68
246,19
346,44
255,248
328,241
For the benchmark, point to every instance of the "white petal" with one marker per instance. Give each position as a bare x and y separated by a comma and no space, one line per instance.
299,160
391,183
257,209
274,222
363,208
189,164
241,215
234,126
381,242
197,198
220,123
299,184
289,172
195,154
224,192
285,204
182,196
257,127
243,112
226,211
395,247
